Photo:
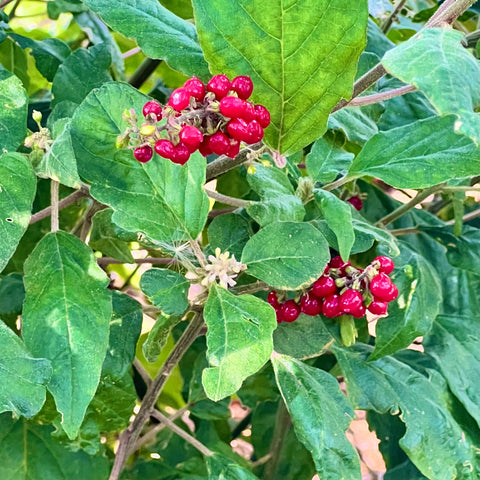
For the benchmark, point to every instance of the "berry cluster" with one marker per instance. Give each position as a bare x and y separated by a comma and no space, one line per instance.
212,118
342,289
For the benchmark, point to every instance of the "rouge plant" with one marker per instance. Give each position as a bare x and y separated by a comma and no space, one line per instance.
213,206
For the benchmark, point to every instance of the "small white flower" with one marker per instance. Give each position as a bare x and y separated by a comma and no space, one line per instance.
223,267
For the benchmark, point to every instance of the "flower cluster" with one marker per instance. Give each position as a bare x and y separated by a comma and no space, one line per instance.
212,118
223,267
342,289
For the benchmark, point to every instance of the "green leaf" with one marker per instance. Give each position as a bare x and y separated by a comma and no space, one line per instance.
59,162
80,73
148,198
110,239
355,123
272,42
327,160
158,336
66,318
304,338
239,340
229,233
22,378
222,468
320,414
166,290
286,255
29,451
17,191
417,305
338,215
13,114
418,155
12,293
436,63
278,199
434,441
454,343
49,53
158,32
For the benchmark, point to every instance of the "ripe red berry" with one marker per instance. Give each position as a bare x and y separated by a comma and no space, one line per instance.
179,99
218,143
238,129
255,132
152,107
381,288
232,107
386,264
331,306
378,307
324,287
272,299
204,147
143,154
359,312
356,202
289,311
337,262
310,305
248,113
165,149
262,116
220,85
191,137
195,88
233,149
351,300
182,154
243,86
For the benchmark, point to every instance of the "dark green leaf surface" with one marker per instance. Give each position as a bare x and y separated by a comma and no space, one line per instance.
320,414
13,114
338,215
418,155
158,336
286,255
434,441
17,191
239,340
158,32
355,123
67,296
222,468
278,199
417,305
80,73
273,42
229,233
12,293
148,198
22,378
29,451
166,290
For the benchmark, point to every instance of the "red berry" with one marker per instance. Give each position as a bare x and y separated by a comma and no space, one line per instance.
262,116
272,299
220,85
350,300
232,107
386,264
152,107
378,307
233,149
359,312
289,311
182,154
195,88
165,149
243,86
255,132
179,99
143,154
337,262
204,147
191,137
310,305
248,113
218,143
331,306
381,287
324,287
238,129
356,202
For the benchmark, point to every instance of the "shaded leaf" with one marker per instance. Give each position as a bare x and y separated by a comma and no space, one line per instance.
12,293
355,123
229,233
157,337
222,468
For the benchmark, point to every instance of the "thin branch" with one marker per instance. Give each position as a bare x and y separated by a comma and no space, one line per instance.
250,288
130,436
142,372
182,433
420,197
467,217
262,460
65,202
198,252
391,18
5,3
131,52
379,97
398,232
461,188
234,202
54,186
103,261
220,211
336,183
146,68
11,15
87,222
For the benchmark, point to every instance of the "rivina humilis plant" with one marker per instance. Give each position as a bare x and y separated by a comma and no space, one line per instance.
214,206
